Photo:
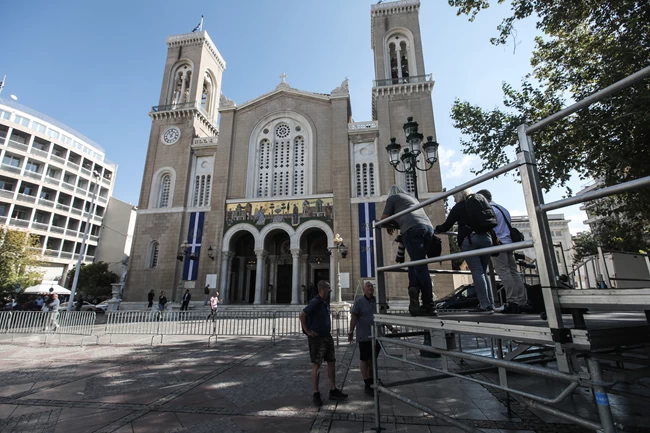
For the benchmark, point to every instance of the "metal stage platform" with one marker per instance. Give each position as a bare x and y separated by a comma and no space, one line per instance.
604,330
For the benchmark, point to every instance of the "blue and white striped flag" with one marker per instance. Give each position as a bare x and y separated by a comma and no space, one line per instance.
366,238
194,236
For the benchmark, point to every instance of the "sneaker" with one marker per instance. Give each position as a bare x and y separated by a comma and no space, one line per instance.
336,394
317,400
414,301
488,310
428,310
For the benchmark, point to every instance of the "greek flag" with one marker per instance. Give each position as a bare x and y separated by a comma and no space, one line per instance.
199,27
366,238
194,235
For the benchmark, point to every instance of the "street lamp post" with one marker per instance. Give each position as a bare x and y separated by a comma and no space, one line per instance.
341,252
83,242
409,157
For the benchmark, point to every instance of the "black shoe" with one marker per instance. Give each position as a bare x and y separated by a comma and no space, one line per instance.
511,308
317,400
526,308
414,301
336,394
428,310
368,390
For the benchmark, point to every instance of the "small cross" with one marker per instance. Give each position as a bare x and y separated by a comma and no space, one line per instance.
283,77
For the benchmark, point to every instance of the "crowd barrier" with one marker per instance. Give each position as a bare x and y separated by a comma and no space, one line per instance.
47,322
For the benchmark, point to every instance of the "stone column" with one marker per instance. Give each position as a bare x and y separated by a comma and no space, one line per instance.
260,254
273,277
295,277
223,284
242,276
333,273
398,52
303,273
225,296
183,84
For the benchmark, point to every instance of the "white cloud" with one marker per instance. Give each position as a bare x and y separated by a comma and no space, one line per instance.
460,168
445,156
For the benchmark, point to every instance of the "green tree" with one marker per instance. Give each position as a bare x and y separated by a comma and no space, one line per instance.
18,260
586,46
94,279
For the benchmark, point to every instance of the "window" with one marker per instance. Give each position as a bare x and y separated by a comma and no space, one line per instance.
5,115
46,195
11,160
282,164
21,120
19,214
7,186
154,251
410,184
180,85
77,145
67,140
202,190
32,166
38,127
27,190
52,133
165,185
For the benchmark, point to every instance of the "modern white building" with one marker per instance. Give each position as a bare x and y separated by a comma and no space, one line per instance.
561,235
47,184
116,236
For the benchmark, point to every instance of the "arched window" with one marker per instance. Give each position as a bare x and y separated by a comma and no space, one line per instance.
265,169
400,60
206,94
154,251
299,165
165,186
365,179
180,84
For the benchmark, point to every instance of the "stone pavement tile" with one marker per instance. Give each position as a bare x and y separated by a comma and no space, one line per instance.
156,422
6,410
69,392
202,396
273,425
26,410
8,390
80,420
124,429
368,427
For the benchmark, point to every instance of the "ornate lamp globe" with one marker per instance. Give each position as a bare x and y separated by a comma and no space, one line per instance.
393,150
413,137
431,150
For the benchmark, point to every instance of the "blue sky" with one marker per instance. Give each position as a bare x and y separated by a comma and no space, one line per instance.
97,66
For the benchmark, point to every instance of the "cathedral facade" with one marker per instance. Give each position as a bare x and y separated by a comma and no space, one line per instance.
252,206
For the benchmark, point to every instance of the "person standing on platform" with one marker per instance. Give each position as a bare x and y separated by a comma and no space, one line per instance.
186,300
505,264
417,235
206,292
150,297
162,300
214,304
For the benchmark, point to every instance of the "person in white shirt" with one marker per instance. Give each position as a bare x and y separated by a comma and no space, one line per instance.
214,303
505,264
53,307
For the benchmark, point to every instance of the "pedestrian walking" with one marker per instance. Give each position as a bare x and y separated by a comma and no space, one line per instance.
214,303
186,300
505,264
317,325
417,235
476,219
53,307
362,318
206,292
150,297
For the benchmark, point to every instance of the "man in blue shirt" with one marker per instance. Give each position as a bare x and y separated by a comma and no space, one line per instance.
505,264
317,324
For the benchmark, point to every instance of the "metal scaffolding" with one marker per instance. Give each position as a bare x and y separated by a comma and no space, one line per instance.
579,344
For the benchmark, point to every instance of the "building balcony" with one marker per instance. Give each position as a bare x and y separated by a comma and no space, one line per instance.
6,194
57,229
106,181
19,222
76,211
85,171
186,109
45,202
26,198
66,255
415,79
52,180
57,159
81,191
17,145
38,152
363,126
67,185
10,168
63,207
51,253
72,165
102,199
3,220
33,174
72,232
39,226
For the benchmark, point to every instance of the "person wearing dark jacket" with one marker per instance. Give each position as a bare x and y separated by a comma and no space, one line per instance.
186,300
469,240
150,297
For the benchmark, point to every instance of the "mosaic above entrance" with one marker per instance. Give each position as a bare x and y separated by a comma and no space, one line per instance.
292,212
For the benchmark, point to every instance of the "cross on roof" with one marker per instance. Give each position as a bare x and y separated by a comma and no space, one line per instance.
283,77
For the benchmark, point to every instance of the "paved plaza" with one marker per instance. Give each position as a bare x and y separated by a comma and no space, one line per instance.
241,385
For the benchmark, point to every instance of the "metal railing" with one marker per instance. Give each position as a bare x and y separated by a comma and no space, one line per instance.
47,322
415,79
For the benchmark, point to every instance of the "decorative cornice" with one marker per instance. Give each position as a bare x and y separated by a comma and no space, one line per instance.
287,89
185,112
341,90
390,8
226,103
400,89
197,38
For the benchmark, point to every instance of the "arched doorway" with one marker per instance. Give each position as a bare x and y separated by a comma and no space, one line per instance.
243,270
280,267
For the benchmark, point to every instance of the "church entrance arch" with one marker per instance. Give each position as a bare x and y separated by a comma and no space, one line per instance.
243,269
278,290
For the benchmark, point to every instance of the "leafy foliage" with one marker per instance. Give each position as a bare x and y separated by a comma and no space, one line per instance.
18,260
587,46
94,279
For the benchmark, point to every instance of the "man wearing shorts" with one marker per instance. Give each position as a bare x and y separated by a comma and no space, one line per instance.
363,315
317,324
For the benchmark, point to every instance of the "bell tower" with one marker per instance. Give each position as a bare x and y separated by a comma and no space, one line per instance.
402,88
178,175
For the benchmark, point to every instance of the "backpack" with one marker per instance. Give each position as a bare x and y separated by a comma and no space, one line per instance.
480,215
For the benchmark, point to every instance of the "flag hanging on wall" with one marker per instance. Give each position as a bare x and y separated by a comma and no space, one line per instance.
193,252
366,239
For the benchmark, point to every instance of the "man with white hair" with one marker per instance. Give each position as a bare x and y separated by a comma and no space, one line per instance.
417,236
